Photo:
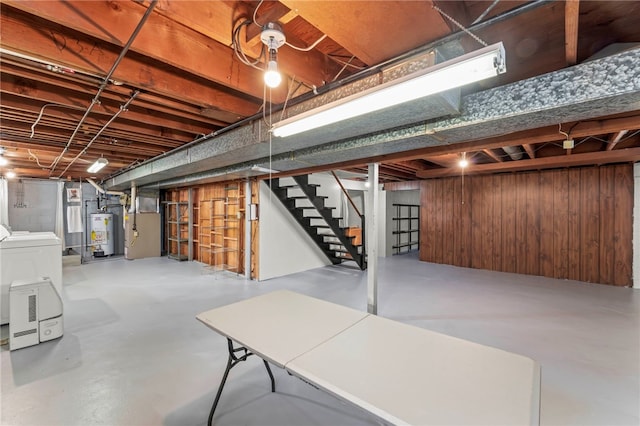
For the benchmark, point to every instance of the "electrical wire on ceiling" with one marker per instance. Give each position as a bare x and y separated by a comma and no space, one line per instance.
35,157
255,12
237,47
302,49
307,49
123,108
567,135
103,85
33,126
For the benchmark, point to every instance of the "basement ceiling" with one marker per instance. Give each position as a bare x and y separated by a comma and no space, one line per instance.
181,84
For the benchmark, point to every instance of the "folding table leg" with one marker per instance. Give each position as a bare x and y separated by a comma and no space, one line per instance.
273,382
232,362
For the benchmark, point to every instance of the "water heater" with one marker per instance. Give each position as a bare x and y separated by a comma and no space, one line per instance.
102,234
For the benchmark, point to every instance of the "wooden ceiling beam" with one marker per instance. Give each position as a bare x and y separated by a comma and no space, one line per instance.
66,121
57,123
615,138
571,17
41,94
159,38
272,11
390,171
150,101
543,134
215,19
374,44
50,135
54,149
26,34
492,155
414,164
589,158
529,150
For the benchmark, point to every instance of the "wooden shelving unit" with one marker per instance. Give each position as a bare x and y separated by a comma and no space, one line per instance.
407,228
220,230
178,229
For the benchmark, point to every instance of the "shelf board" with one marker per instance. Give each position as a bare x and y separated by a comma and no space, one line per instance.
413,243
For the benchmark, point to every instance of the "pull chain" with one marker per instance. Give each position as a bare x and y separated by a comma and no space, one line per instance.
459,25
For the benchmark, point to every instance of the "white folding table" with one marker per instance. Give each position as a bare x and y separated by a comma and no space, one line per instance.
400,373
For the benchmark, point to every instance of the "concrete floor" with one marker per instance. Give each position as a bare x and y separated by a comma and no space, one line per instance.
133,354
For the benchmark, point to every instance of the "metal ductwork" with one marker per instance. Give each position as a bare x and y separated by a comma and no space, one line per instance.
586,91
513,151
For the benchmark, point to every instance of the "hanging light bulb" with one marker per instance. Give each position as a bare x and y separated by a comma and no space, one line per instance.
3,160
463,161
273,37
10,174
272,77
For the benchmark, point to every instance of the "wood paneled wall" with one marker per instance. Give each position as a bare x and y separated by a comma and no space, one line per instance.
567,223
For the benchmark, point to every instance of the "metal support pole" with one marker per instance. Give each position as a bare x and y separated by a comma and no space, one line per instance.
190,225
247,229
372,241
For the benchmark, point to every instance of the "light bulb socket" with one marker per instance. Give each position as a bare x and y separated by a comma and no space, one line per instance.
272,35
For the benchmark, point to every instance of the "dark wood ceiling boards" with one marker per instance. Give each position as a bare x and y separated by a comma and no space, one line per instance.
190,82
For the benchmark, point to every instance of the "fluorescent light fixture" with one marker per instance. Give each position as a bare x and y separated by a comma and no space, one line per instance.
98,165
469,68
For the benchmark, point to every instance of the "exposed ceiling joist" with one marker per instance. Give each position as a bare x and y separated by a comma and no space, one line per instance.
528,148
616,156
571,18
489,152
192,85
615,138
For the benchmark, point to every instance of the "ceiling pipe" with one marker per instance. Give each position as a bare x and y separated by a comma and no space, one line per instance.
105,82
354,77
513,151
101,190
122,109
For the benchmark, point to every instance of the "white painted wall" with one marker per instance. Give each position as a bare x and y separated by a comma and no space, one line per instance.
32,205
636,225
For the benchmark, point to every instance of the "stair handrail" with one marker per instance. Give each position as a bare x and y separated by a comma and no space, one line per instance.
347,194
362,222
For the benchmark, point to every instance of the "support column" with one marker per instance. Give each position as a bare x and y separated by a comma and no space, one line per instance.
247,229
190,225
636,226
372,241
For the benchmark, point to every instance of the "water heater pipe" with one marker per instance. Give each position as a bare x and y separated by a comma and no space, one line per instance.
101,190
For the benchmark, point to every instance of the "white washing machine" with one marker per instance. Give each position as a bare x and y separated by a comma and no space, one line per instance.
27,256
